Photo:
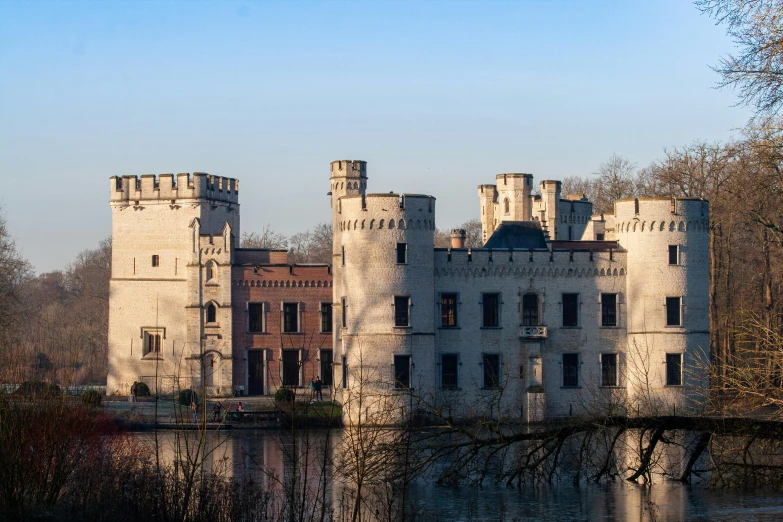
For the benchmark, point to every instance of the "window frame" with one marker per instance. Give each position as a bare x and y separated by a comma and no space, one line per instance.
668,313
526,309
398,309
155,260
152,342
211,308
326,315
616,357
613,312
675,250
326,371
563,366
286,315
402,357
498,310
262,317
456,371
576,322
402,249
299,367
498,374
668,372
344,312
443,314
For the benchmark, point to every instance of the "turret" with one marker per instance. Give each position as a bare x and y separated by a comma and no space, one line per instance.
514,196
488,197
550,198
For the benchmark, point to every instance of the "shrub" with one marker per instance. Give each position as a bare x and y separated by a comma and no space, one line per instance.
187,396
40,389
142,390
284,395
92,398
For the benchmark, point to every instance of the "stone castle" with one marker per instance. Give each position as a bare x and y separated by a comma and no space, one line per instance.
560,312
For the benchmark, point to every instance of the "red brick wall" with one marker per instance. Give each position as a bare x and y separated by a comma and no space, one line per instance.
273,285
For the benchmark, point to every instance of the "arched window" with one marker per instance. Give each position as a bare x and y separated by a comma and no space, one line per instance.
211,313
210,270
505,204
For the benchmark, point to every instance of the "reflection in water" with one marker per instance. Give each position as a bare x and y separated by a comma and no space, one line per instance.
269,457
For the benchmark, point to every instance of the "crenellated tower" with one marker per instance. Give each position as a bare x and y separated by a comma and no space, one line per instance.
170,307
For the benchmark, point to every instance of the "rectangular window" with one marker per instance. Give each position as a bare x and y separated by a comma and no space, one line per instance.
570,309
156,260
673,369
674,258
530,310
491,367
608,309
345,372
448,370
448,310
344,311
490,304
608,369
401,310
291,368
570,370
599,237
290,317
326,317
402,371
673,317
327,357
255,317
402,253
342,256
151,342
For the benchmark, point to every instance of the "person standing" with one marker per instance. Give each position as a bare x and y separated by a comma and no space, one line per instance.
132,397
318,388
312,390
194,407
216,412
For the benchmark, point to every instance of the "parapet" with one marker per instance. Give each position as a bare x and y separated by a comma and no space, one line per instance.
661,209
514,181
199,185
349,168
550,185
378,211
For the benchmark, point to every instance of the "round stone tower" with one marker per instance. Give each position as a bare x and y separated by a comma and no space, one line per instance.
383,294
667,300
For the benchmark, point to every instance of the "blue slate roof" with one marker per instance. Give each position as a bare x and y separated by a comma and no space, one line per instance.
518,235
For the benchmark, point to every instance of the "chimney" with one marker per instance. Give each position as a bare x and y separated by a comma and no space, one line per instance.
458,238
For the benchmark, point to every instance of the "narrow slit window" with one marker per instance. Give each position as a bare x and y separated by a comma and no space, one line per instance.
674,255
402,253
402,310
156,260
673,311
211,313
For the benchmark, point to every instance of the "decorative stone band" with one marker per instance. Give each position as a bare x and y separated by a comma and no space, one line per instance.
533,332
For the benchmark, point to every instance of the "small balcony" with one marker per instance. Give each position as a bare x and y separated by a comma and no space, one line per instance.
533,332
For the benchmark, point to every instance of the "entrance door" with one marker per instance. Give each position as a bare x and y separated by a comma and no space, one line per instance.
255,372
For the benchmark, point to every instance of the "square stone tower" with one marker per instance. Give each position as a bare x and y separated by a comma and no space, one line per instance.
173,239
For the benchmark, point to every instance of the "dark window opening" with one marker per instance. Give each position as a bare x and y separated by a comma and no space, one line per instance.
570,309
345,372
151,343
290,317
570,369
599,237
344,311
530,310
673,311
608,369
448,371
448,310
402,371
326,317
210,271
491,367
290,367
608,309
255,317
673,255
402,253
673,369
327,357
211,313
342,256
401,310
490,310
156,260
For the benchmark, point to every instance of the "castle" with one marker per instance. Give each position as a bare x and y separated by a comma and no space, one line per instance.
560,312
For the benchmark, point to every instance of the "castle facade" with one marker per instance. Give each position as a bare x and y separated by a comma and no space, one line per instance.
561,312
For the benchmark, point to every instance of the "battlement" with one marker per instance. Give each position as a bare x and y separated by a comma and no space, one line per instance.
349,168
169,187
660,209
558,263
378,211
551,185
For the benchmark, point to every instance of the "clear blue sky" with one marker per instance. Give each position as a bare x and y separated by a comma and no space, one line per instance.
437,97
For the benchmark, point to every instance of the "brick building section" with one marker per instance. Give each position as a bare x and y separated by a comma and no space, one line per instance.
259,356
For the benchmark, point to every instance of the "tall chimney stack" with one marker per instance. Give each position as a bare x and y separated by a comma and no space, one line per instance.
458,238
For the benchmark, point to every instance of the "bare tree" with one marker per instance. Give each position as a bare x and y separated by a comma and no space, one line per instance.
615,181
755,72
267,238
312,246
